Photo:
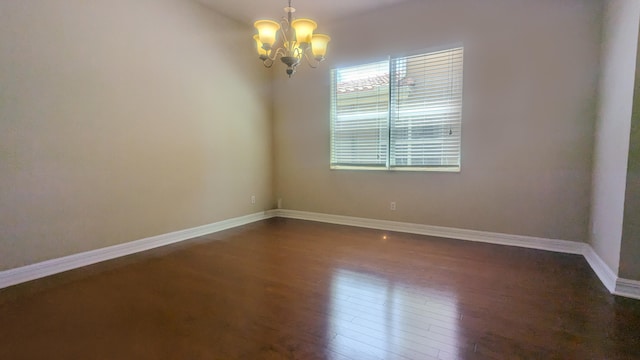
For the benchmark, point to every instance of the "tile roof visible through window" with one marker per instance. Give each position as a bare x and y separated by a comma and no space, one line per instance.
370,83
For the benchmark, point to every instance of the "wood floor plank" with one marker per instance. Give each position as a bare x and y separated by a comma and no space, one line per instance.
292,289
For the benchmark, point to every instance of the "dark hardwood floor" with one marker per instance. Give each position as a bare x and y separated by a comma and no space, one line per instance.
290,289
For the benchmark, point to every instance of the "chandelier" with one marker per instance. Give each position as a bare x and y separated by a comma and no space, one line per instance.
296,41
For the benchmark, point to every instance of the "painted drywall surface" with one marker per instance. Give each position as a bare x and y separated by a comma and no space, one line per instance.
620,35
630,247
530,84
121,120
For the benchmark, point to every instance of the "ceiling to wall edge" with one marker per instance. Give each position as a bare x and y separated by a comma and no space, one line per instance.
326,12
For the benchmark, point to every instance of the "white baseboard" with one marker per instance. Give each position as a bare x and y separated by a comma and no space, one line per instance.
54,266
602,270
562,246
628,288
615,285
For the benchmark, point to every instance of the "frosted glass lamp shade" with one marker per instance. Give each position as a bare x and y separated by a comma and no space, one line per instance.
261,51
304,30
267,30
319,46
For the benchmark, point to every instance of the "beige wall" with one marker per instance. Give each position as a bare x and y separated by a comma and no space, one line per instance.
619,43
121,120
529,111
630,247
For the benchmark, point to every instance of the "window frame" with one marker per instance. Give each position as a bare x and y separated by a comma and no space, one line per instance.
456,168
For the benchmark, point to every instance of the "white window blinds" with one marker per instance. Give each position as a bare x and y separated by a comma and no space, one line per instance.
404,113
360,115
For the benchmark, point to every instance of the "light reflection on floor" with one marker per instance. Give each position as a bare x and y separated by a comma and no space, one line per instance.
372,317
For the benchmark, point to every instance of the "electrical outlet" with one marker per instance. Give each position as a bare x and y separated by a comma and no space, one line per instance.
392,206
253,199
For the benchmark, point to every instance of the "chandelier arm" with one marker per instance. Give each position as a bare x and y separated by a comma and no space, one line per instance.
285,24
279,51
312,63
268,62
272,58
273,55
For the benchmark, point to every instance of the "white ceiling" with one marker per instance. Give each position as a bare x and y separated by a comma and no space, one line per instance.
247,11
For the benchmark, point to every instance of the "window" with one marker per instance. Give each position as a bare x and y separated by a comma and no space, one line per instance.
399,114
